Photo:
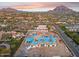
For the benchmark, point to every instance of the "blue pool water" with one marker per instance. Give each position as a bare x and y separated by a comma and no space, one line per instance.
34,35
29,39
43,39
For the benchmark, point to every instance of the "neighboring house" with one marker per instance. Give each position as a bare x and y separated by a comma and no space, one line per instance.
73,27
42,28
1,33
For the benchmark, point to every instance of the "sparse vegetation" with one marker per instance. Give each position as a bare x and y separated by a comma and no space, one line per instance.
73,35
15,44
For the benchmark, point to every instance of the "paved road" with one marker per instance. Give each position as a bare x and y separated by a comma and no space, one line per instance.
73,47
22,51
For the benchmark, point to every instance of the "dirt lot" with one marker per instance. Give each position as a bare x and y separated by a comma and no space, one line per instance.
60,50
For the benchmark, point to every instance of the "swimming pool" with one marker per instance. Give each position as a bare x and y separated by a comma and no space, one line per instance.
41,39
34,34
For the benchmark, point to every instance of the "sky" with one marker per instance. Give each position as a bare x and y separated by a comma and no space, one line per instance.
38,6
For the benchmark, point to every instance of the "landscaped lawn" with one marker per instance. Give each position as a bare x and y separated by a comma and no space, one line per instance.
73,35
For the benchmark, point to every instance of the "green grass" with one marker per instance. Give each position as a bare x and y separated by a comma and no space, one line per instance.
73,35
15,44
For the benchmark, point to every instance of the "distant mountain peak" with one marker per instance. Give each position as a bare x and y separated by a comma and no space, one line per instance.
8,10
62,10
62,6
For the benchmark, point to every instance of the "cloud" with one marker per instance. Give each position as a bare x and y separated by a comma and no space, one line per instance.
36,5
31,6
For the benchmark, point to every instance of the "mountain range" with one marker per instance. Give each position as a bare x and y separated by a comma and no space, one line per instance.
62,10
8,10
58,10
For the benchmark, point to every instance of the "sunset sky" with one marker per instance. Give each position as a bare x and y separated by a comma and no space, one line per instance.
38,6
